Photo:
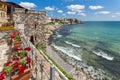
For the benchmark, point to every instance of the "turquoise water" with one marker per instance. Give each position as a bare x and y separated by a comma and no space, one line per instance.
95,43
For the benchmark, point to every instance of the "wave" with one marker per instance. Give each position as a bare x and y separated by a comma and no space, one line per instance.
67,51
104,55
59,36
74,45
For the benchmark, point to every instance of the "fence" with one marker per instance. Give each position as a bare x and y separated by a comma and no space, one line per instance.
42,68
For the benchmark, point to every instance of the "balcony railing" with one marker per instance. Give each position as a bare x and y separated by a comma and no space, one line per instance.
42,68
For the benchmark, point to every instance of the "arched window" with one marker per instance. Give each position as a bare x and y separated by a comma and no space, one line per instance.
32,39
26,10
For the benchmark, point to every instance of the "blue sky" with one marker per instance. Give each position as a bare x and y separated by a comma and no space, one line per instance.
86,10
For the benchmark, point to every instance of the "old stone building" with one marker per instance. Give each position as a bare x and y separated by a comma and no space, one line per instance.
3,12
33,22
10,9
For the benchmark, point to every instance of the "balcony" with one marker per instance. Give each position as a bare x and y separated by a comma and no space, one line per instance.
42,67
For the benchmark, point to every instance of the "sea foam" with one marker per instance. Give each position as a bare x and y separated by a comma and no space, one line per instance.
70,43
67,51
59,36
104,55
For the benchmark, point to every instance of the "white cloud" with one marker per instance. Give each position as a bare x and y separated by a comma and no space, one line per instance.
49,8
113,16
76,8
69,12
64,14
82,14
27,5
60,11
95,7
117,13
103,12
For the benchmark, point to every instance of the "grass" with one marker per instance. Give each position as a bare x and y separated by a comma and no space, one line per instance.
42,48
50,23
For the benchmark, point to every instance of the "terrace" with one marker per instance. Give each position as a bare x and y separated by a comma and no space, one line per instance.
42,68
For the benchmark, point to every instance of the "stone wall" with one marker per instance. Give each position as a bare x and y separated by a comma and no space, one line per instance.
19,10
32,12
42,13
33,22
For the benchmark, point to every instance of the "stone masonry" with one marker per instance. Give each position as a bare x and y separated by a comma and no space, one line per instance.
33,23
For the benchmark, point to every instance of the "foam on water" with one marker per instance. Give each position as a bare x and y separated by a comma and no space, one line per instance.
67,51
93,35
59,36
104,55
70,43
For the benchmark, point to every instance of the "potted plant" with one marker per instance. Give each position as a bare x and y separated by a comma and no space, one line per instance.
17,69
16,39
23,71
7,26
22,53
18,51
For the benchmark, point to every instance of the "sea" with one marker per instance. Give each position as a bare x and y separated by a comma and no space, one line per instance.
94,45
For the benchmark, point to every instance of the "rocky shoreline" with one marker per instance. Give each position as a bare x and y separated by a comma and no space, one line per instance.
77,69
62,59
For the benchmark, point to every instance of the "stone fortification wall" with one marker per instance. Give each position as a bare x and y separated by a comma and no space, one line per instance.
33,22
19,10
42,13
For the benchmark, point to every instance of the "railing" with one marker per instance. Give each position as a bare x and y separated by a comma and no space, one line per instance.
42,68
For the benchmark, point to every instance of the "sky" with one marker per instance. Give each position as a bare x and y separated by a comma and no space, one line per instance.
85,10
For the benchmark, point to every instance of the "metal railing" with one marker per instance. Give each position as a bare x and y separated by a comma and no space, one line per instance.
42,68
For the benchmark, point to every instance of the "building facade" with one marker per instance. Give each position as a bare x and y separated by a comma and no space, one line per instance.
3,12
11,9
